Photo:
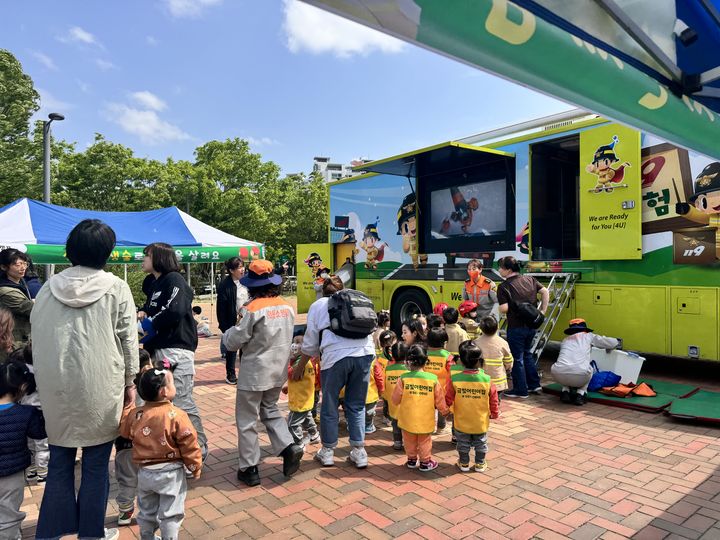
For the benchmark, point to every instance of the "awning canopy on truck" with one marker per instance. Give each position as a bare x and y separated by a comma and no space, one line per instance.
651,64
437,159
41,229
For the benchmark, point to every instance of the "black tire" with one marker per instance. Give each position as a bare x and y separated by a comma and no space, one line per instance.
405,304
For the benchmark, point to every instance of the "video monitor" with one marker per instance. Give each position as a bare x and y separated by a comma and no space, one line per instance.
472,210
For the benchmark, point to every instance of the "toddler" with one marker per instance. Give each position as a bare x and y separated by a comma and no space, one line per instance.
39,450
383,324
468,312
435,321
497,358
374,391
438,362
456,334
475,402
395,368
386,341
416,416
126,472
17,423
301,395
163,440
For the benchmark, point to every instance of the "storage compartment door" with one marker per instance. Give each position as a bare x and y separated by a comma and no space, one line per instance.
694,320
610,196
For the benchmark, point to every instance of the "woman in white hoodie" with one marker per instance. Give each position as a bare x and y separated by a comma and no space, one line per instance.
85,351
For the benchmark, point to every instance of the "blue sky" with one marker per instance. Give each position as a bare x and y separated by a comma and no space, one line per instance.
164,76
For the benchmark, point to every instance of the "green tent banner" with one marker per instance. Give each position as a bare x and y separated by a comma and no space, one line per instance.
55,254
502,38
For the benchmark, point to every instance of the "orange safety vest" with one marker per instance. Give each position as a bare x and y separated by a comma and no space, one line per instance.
417,410
436,364
478,290
372,392
301,394
472,402
392,374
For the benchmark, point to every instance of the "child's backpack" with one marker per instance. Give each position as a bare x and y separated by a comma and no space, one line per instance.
352,314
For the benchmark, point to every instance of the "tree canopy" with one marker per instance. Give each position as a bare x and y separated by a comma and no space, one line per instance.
226,185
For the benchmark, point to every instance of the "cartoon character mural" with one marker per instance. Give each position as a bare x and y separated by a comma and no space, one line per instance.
319,272
372,246
407,228
608,178
705,208
463,213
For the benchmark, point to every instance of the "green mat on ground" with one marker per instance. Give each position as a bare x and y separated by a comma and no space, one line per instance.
702,405
645,404
671,388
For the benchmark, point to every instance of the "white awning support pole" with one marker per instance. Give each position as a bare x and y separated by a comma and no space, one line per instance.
212,290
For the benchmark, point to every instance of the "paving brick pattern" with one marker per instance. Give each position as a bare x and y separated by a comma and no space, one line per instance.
555,471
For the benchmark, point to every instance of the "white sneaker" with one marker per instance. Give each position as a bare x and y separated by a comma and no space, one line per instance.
326,456
111,534
358,456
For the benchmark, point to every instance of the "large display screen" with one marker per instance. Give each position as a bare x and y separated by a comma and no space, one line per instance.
469,210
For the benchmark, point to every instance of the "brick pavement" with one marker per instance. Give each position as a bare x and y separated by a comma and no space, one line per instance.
555,471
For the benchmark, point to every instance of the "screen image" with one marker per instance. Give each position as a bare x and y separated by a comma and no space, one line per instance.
470,210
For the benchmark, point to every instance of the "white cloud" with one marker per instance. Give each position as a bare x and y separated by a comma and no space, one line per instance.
188,8
50,103
151,40
45,60
80,35
148,100
261,141
104,65
317,31
144,124
84,87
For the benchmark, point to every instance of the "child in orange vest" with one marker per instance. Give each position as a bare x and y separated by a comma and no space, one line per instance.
418,394
301,396
374,391
395,368
498,359
475,402
438,362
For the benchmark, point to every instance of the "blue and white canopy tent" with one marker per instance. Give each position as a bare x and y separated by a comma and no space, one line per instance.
40,230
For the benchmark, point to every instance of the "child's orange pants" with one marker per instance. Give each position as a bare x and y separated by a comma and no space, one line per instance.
417,446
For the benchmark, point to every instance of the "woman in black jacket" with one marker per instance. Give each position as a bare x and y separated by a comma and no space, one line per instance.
167,318
231,296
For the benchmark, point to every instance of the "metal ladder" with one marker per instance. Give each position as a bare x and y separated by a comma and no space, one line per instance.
560,287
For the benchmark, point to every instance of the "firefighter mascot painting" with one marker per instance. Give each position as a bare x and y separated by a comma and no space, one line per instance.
704,205
407,228
608,178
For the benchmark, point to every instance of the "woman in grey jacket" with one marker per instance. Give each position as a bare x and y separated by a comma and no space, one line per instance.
263,334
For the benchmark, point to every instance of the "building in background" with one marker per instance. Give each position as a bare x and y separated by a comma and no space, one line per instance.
335,171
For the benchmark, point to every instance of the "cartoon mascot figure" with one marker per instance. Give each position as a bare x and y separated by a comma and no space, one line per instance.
705,208
608,178
318,270
372,246
407,227
463,213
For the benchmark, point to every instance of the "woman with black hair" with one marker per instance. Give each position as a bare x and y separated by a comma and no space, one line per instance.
85,344
231,296
263,334
515,290
14,293
168,321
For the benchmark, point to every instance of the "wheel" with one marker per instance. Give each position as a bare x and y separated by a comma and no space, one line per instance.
407,304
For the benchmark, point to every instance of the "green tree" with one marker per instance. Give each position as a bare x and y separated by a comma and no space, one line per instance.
18,102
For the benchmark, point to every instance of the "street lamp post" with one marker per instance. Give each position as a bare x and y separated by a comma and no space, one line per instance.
46,153
49,268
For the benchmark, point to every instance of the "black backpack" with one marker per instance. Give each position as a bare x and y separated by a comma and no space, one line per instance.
352,314
529,314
